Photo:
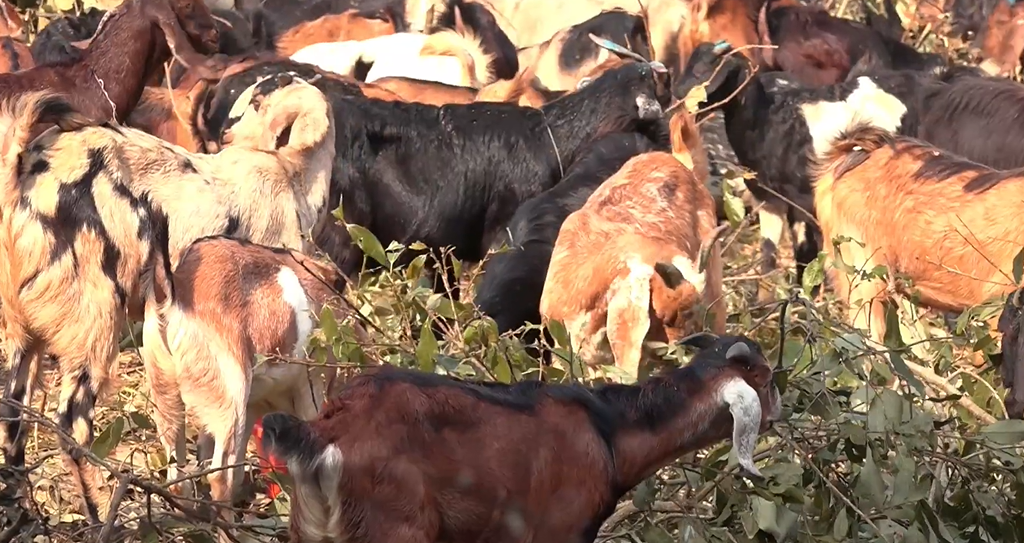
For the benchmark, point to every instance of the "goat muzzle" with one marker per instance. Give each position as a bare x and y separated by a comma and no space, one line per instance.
648,109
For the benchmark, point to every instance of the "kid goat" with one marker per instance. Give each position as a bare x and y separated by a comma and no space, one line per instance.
402,455
81,208
635,261
227,302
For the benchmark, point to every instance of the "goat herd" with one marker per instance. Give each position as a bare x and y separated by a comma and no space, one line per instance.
196,197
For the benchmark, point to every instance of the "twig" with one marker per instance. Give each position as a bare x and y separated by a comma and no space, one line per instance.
115,503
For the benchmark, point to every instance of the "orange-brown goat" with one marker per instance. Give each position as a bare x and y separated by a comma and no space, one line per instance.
350,25
14,56
636,260
1003,40
11,24
414,457
935,218
228,302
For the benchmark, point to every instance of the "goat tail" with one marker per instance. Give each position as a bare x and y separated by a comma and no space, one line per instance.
157,283
464,46
687,144
849,149
19,117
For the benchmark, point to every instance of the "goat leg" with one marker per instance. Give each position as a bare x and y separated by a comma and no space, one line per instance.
178,42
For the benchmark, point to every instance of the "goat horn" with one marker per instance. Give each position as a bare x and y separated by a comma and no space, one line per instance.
615,48
707,244
737,350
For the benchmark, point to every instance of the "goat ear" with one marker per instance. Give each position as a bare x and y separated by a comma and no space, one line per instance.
460,26
670,274
700,340
1016,299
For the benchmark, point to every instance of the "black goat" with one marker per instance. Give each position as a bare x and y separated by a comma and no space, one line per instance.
452,176
54,44
513,280
767,127
493,39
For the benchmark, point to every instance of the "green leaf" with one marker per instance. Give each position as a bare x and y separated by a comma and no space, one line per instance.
109,438
870,486
369,243
903,370
645,494
558,333
841,525
141,420
1004,432
426,348
1018,266
734,209
328,324
814,274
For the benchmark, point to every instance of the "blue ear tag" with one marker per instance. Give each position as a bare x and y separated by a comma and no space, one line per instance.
721,46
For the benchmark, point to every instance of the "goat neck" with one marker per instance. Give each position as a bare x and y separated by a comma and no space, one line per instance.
669,416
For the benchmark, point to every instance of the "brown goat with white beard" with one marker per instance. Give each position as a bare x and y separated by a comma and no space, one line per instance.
227,302
939,220
413,457
80,209
633,264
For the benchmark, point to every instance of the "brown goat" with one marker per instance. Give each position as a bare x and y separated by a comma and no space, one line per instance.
1002,41
346,26
107,81
734,21
81,209
14,56
636,260
168,113
402,455
519,90
11,24
925,214
228,302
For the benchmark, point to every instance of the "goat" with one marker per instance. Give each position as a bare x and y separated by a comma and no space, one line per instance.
936,220
228,302
633,263
732,21
513,280
11,26
351,25
453,176
764,110
1002,41
169,114
518,90
1011,370
107,81
81,209
819,49
445,57
374,464
562,61
496,45
15,55
55,43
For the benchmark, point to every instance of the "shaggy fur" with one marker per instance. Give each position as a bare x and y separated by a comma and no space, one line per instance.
14,55
133,43
374,465
453,176
942,231
561,62
228,302
633,263
82,207
513,279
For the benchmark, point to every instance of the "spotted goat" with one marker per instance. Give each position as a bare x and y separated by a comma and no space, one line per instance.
81,208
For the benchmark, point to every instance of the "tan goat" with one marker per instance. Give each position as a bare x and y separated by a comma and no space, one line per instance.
626,267
80,209
941,221
227,302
